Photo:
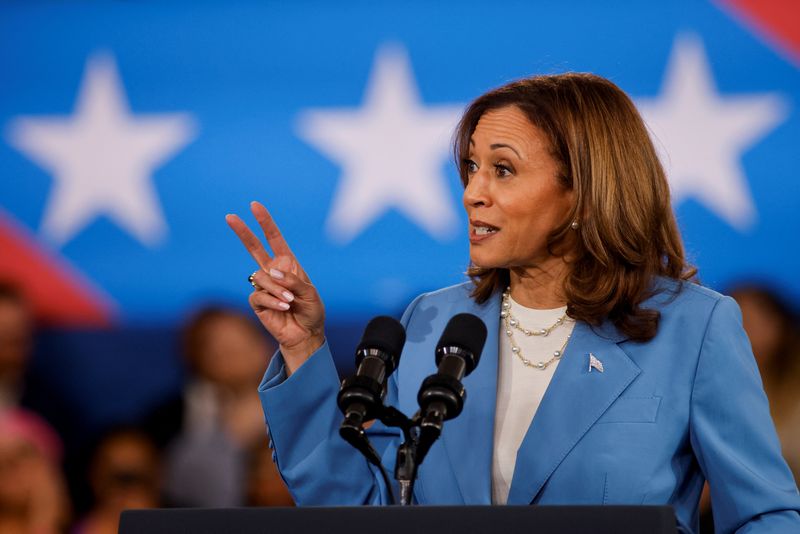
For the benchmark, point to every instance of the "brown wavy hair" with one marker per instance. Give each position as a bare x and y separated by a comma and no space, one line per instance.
627,234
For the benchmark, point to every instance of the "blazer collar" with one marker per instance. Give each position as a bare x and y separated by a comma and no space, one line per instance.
574,400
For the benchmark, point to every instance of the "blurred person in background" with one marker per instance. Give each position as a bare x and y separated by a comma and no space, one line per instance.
16,344
774,332
22,386
772,327
33,496
125,473
210,428
265,486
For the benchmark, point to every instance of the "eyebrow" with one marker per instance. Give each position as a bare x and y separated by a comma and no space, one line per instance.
503,145
498,145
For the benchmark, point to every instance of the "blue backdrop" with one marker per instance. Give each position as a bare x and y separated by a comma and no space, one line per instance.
129,130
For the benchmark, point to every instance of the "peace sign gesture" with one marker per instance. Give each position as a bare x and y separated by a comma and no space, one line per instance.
285,300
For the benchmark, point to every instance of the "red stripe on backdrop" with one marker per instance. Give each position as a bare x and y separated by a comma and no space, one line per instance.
59,295
776,21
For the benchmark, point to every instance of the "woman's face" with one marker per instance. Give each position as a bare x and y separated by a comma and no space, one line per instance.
512,198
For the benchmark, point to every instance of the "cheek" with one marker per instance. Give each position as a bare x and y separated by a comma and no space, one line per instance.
530,225
544,210
530,237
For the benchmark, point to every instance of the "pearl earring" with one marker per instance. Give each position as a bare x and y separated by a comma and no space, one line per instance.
574,225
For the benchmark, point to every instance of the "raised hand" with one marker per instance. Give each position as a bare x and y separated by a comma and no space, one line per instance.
285,300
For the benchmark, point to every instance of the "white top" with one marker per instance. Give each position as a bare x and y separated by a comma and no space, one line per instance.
520,388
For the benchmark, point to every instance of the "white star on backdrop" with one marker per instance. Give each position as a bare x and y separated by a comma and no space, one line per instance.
391,150
102,158
701,134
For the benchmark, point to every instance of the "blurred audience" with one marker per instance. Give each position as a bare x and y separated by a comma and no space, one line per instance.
33,496
28,383
213,435
210,428
125,473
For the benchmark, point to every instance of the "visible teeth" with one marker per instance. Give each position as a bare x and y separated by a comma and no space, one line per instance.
483,230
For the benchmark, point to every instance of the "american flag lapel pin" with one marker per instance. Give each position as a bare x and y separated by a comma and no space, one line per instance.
594,363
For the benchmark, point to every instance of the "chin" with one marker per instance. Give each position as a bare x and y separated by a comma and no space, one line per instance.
485,261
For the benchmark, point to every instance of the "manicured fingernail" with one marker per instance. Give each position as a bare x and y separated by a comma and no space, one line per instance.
275,273
288,296
283,305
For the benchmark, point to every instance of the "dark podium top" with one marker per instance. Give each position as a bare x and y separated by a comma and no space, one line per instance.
405,520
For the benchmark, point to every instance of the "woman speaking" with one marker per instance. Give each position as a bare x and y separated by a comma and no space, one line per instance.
609,375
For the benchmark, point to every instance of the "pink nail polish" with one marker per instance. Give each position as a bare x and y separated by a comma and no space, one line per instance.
288,296
275,273
283,305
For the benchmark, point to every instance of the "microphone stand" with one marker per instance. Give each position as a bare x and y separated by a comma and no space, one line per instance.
419,432
418,436
405,470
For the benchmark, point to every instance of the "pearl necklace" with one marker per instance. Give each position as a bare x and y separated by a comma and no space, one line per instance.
511,324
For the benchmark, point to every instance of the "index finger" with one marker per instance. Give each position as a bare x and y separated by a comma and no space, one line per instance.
249,240
274,237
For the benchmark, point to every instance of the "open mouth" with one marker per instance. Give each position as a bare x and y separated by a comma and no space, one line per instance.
484,230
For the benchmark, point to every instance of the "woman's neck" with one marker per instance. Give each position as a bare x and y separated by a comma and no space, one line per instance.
539,287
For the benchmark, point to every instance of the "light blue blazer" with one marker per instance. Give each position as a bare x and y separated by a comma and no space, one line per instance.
663,417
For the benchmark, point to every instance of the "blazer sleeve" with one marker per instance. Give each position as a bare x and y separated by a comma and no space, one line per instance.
317,465
732,434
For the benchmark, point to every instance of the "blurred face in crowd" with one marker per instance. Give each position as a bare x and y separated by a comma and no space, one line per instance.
125,472
513,199
763,326
15,339
233,353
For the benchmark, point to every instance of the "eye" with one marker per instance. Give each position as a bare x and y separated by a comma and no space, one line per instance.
502,170
471,166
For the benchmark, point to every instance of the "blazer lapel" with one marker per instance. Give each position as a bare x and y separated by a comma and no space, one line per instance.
469,438
574,400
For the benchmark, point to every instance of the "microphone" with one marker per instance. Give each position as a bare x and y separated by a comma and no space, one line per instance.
377,355
441,396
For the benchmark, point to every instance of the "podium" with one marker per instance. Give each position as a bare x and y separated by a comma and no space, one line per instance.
404,520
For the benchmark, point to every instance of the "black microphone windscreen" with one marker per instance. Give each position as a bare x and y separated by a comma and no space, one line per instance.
384,333
466,331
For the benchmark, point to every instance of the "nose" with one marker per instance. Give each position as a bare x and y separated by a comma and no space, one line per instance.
476,192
